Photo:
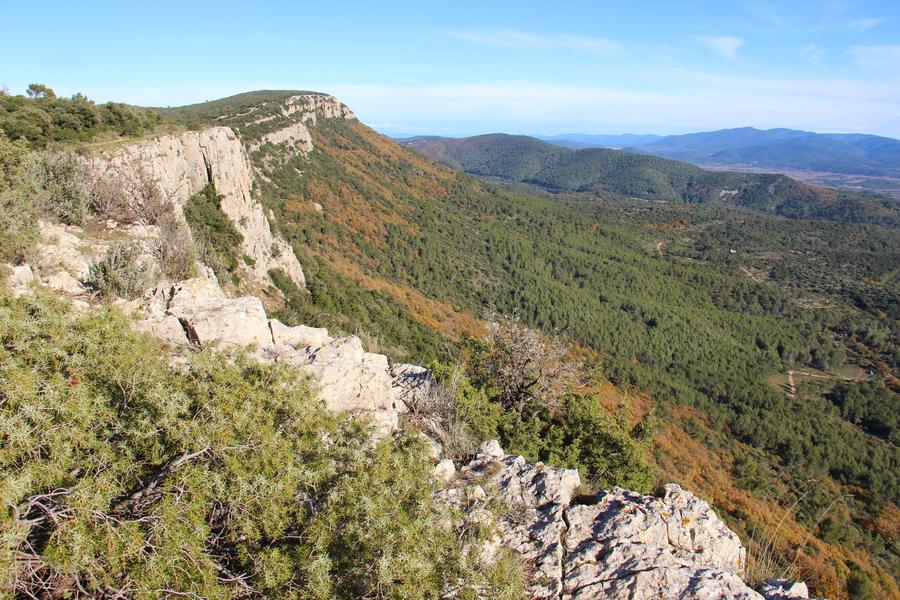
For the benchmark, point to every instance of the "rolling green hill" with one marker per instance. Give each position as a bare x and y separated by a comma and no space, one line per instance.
528,160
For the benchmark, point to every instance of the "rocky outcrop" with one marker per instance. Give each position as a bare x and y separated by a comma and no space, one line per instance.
629,545
65,253
304,111
412,384
619,544
182,165
782,589
196,312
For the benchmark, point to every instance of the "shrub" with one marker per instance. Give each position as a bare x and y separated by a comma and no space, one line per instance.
435,412
174,249
19,210
144,196
13,156
42,117
57,182
216,237
524,368
121,273
225,478
578,433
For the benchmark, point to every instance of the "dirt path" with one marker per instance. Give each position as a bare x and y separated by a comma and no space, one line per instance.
792,385
750,274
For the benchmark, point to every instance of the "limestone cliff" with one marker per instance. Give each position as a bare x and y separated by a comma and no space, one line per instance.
183,164
289,127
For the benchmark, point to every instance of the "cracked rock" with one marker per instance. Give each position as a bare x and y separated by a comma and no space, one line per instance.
623,545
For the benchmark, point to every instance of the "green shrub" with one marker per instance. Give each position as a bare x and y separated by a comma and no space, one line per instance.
224,478
174,249
19,210
858,584
41,118
121,273
57,182
217,239
578,434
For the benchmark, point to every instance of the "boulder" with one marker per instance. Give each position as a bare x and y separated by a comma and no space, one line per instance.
490,449
678,523
235,322
411,384
350,378
196,311
63,258
20,280
297,337
535,527
444,470
782,589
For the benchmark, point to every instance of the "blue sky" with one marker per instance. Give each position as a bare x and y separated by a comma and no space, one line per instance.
461,67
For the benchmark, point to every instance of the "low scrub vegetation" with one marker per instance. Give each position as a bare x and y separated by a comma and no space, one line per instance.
520,387
122,273
225,478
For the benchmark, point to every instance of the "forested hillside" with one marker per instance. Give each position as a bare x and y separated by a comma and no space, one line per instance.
613,172
689,304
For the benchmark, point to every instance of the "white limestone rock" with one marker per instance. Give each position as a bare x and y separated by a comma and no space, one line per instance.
184,164
298,337
444,470
411,384
535,528
678,522
351,379
782,589
20,280
490,449
625,545
196,311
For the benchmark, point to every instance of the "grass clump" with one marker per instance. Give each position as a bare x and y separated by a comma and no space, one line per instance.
225,478
121,273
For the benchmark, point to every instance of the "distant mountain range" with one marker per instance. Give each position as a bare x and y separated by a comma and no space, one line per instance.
852,161
584,140
533,162
846,153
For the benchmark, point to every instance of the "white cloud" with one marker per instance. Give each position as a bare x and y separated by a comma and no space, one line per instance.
877,57
511,38
725,45
861,25
813,53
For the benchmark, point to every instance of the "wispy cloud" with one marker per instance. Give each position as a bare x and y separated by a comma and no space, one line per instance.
877,57
767,14
724,45
861,25
512,38
813,53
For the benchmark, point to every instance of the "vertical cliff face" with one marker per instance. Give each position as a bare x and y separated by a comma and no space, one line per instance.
184,164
